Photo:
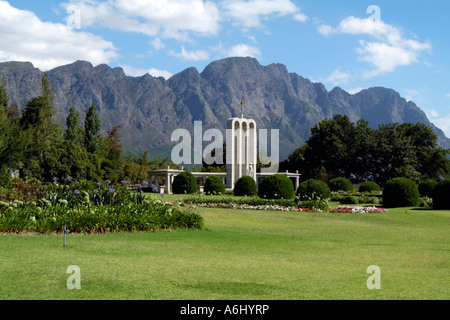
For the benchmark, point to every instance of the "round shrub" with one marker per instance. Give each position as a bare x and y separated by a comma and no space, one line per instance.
245,186
185,182
349,200
400,192
441,194
214,185
276,186
313,189
369,186
426,187
340,184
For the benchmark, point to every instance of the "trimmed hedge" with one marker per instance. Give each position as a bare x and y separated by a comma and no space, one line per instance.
245,186
276,186
185,182
369,186
400,192
214,185
441,194
340,184
313,189
426,188
84,219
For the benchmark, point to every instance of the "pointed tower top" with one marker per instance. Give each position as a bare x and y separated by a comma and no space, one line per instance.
242,105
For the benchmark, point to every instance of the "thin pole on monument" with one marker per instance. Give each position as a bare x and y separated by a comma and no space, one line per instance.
242,104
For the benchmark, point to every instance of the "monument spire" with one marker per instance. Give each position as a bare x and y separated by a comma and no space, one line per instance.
242,104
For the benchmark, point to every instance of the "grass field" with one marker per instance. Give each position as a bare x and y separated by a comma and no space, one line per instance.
241,254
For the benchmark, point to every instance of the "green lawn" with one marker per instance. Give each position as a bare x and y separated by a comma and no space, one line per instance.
241,254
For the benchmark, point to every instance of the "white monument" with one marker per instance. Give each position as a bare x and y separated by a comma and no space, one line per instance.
241,149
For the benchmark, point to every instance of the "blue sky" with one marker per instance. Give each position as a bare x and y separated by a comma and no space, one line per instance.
398,44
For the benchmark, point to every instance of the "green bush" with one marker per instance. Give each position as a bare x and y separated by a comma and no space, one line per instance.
313,189
214,185
426,202
441,194
426,188
148,216
400,192
245,186
276,186
369,186
340,184
349,200
185,182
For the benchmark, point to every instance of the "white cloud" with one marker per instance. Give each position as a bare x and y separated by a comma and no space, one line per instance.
165,18
389,48
338,77
447,95
355,90
416,95
301,17
158,44
195,55
137,72
250,13
243,50
47,45
442,122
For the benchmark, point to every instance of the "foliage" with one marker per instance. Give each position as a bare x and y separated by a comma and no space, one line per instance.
74,131
441,193
245,186
214,185
426,202
349,200
318,204
400,192
339,148
148,216
426,187
92,128
276,186
185,182
313,189
369,186
340,184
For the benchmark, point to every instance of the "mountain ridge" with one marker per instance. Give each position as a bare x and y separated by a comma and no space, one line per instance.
151,108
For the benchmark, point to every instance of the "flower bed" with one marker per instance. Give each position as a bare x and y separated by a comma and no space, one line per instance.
240,206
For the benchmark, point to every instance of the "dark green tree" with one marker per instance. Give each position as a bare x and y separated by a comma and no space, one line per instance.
111,152
37,120
339,146
3,98
92,126
73,131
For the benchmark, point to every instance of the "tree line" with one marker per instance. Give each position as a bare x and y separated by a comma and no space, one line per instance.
338,147
33,144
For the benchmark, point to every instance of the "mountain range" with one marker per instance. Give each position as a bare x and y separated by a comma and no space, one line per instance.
151,108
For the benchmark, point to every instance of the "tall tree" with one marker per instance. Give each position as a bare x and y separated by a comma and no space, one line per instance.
112,152
92,128
340,148
73,132
333,145
37,119
3,98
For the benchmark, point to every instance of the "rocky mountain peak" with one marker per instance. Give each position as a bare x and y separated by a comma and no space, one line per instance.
150,109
